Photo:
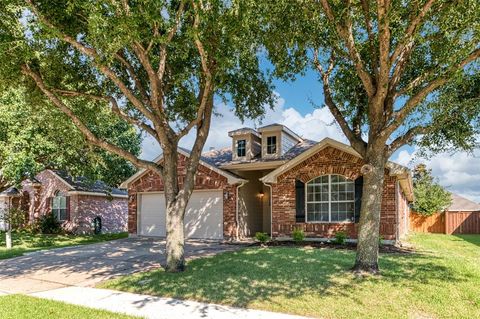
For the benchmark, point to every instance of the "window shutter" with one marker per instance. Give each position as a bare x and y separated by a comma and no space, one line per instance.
299,201
67,206
358,197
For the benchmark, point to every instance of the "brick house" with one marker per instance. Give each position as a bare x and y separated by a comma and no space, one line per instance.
75,202
272,180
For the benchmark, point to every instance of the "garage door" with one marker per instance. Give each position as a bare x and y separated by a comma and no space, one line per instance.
203,217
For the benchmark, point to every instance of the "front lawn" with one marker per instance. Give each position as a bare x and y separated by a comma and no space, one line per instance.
24,307
24,242
441,280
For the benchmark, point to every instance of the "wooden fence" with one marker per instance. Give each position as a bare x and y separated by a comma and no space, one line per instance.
446,223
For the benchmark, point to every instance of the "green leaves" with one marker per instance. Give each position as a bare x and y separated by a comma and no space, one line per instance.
430,197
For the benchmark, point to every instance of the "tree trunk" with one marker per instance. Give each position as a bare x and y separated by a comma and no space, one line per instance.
368,236
175,236
8,237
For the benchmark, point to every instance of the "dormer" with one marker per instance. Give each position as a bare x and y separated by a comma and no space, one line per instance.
277,139
246,144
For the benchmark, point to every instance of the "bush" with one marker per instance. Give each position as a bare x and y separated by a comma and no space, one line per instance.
49,224
262,237
298,235
340,238
380,238
15,218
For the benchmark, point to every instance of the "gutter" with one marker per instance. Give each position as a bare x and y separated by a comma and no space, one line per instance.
97,194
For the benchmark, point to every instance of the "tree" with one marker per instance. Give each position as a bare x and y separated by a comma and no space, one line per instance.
383,66
156,64
34,137
430,197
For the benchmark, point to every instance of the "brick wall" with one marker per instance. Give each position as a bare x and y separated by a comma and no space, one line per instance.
327,161
205,179
83,208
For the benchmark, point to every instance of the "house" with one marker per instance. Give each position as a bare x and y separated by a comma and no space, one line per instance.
75,202
272,180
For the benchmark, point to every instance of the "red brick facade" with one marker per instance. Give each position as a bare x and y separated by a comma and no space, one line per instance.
327,161
204,179
330,160
82,208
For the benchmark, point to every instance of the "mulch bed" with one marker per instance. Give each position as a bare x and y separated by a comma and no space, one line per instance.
387,249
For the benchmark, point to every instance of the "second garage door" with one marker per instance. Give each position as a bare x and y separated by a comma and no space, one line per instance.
203,218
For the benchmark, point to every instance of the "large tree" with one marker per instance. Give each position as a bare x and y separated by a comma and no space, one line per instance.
383,67
155,64
33,137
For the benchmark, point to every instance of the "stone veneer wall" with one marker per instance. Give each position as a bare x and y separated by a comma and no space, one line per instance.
327,161
205,179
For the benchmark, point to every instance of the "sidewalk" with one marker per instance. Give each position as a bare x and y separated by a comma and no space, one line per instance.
152,307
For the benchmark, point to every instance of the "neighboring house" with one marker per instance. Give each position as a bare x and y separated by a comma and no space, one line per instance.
75,202
272,180
9,198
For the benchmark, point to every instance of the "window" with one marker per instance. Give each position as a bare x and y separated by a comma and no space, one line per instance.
271,144
241,148
330,198
59,206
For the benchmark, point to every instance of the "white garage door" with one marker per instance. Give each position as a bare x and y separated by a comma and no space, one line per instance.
203,218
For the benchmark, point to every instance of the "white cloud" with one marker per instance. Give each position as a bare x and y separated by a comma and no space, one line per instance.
459,172
315,126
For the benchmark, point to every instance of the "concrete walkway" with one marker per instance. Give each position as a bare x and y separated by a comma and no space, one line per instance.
152,307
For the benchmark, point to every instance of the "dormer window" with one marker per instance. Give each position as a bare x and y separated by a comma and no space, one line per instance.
241,148
271,145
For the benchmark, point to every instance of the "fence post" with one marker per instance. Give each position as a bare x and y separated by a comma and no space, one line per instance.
446,222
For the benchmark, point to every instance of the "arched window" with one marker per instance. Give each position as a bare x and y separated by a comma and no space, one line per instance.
59,206
330,198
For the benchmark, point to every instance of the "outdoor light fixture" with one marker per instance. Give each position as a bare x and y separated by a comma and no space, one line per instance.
261,194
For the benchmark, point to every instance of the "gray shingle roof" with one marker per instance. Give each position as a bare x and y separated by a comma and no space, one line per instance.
12,191
462,204
84,184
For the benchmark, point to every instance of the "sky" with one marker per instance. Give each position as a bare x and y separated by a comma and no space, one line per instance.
299,107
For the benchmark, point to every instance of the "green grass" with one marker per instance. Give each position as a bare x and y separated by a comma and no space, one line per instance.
441,280
24,242
25,307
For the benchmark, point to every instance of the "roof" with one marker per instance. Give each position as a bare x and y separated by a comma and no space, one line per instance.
83,184
10,192
207,161
243,130
462,204
282,127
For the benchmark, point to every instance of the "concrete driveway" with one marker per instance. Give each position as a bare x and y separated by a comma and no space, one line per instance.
85,266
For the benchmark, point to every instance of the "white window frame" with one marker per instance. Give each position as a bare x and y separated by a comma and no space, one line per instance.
244,147
329,202
56,211
276,145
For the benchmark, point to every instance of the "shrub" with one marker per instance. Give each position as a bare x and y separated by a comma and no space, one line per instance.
380,238
49,224
298,235
14,217
340,238
262,237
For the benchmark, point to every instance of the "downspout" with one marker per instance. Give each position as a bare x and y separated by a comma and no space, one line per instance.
270,199
397,213
236,211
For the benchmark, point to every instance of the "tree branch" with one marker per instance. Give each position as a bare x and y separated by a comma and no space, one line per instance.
371,37
346,33
92,138
406,138
357,143
384,48
131,71
92,53
400,115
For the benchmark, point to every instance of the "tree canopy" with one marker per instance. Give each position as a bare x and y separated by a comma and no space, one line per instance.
390,73
34,137
430,196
